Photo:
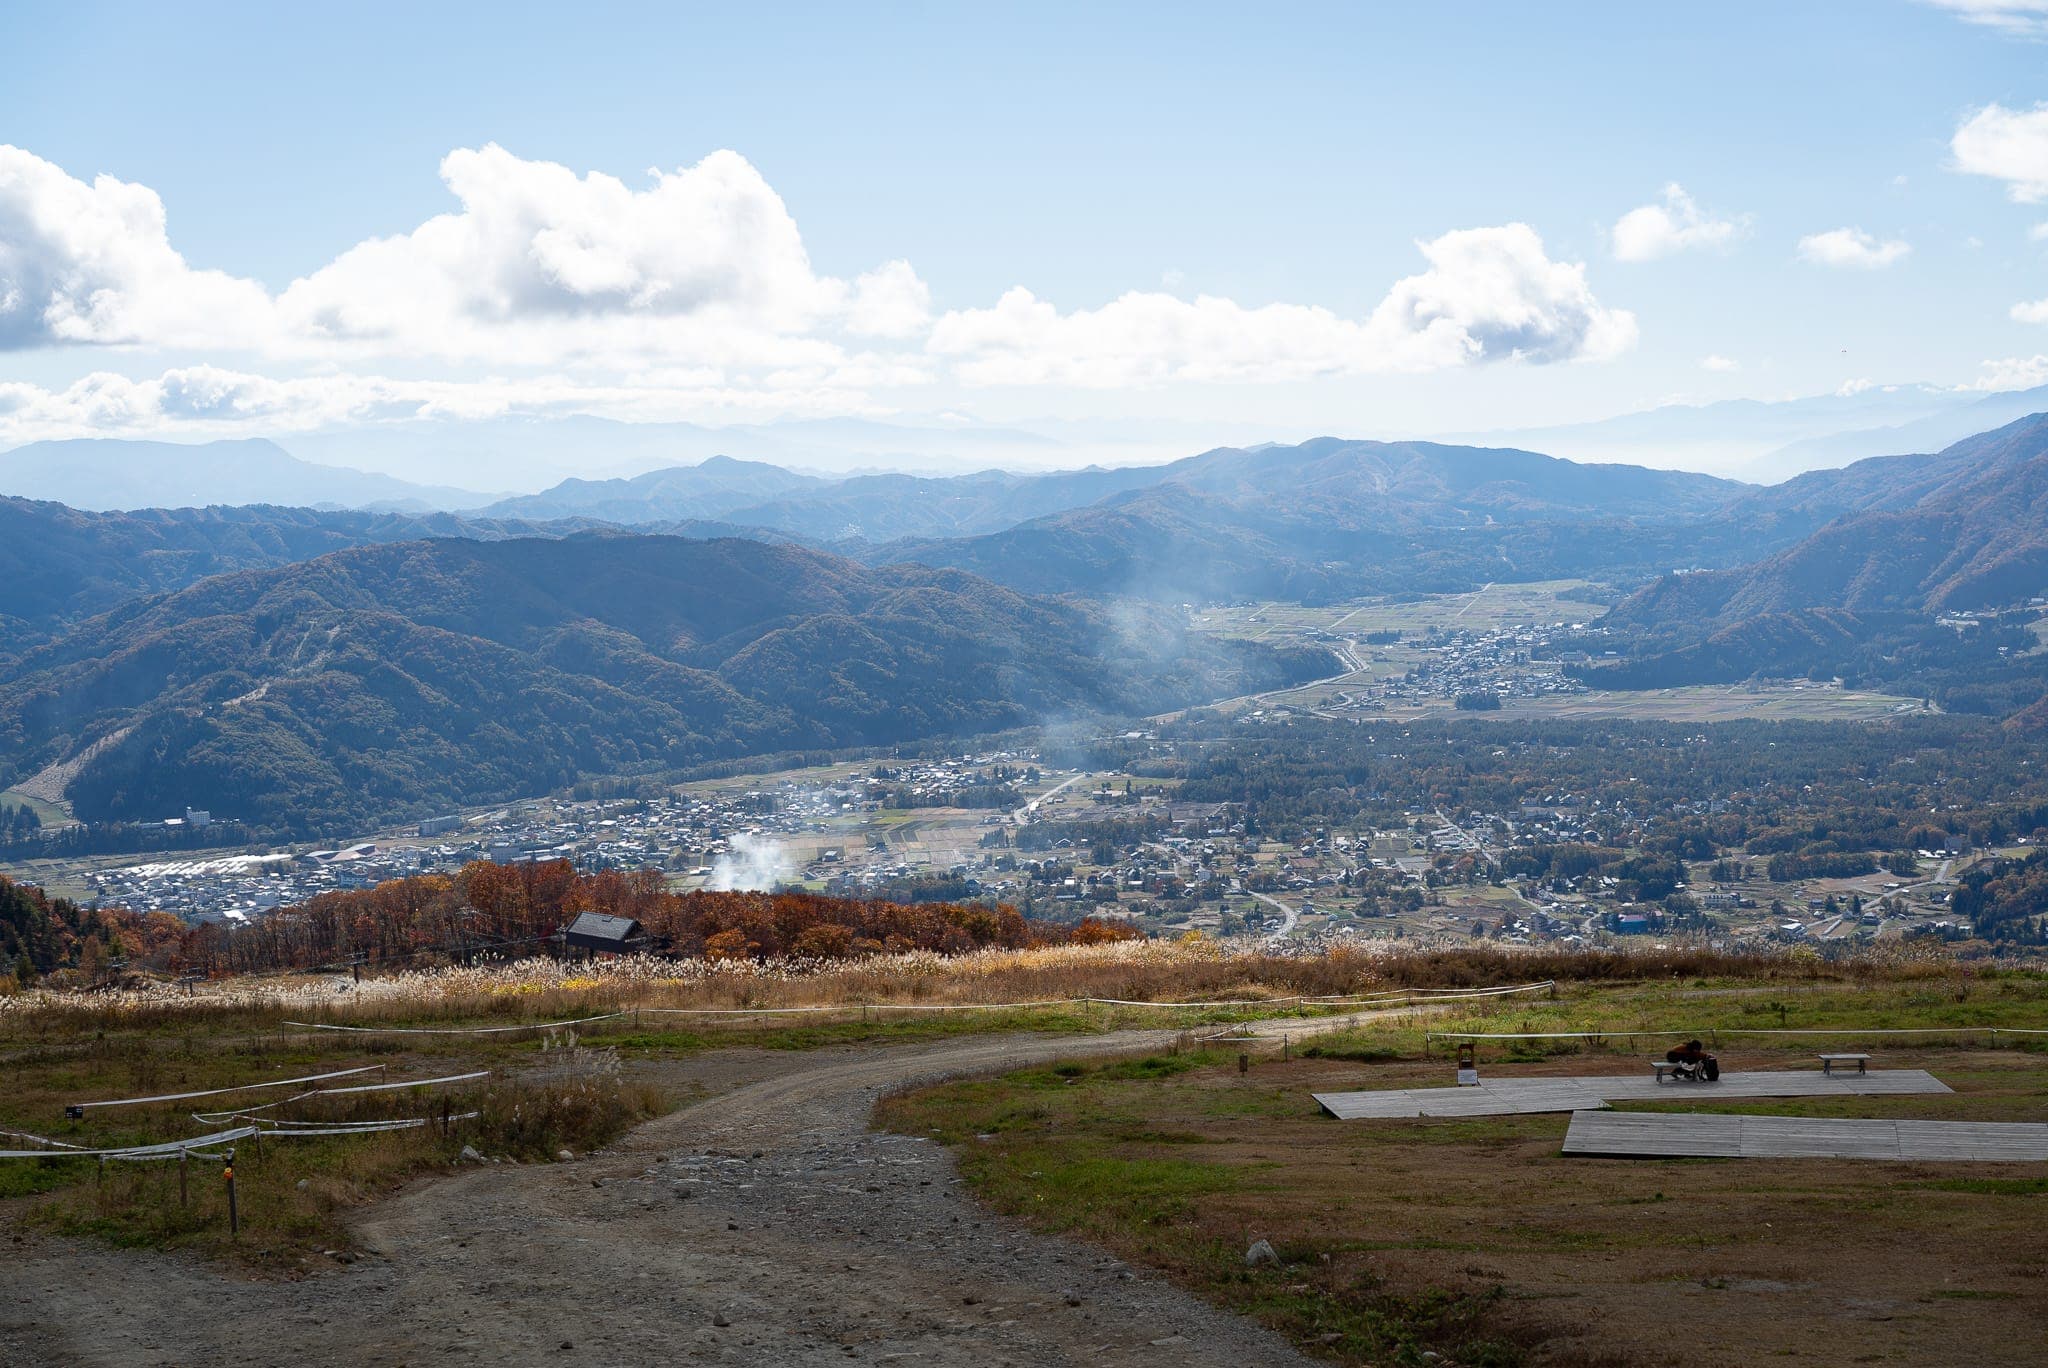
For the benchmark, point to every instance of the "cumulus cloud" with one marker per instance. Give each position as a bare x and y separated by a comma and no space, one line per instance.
1851,248
688,295
542,264
1489,294
889,302
2023,18
93,263
537,266
2010,145
1676,225
2035,311
1717,362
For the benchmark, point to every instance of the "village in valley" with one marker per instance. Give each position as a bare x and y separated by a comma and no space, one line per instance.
1062,844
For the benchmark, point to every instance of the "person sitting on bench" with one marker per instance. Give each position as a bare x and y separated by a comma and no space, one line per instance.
1693,1062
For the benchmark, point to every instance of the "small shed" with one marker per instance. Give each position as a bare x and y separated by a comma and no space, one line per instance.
595,931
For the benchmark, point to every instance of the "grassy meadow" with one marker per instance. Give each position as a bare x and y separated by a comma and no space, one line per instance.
1478,1242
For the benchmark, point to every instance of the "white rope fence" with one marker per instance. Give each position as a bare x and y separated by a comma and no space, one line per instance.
222,1092
210,1118
292,1130
55,1145
168,1149
453,1030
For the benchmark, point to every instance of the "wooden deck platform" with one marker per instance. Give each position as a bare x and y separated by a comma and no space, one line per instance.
1671,1135
1514,1096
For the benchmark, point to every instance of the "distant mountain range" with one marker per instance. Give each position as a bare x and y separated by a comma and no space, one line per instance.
430,464
1769,441
387,680
1332,517
101,474
61,565
857,508
313,670
530,453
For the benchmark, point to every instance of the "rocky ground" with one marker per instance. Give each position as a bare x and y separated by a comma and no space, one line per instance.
765,1225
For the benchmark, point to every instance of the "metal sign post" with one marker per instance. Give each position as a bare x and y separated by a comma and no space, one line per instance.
1468,1065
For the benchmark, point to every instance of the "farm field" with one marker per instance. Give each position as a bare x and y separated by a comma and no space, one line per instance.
48,813
1497,605
1496,613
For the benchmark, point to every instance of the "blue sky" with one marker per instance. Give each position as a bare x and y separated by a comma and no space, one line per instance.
1297,156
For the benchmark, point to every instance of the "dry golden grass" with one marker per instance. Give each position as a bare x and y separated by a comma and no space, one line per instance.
1192,969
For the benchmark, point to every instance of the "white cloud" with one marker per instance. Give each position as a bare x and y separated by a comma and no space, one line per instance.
541,265
693,292
889,302
206,401
1717,362
2010,373
92,264
2034,312
1489,294
1676,225
1852,248
2038,233
2009,145
2023,18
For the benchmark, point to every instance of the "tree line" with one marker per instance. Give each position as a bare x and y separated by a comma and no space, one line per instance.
490,910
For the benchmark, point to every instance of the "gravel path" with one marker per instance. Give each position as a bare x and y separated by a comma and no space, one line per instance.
766,1225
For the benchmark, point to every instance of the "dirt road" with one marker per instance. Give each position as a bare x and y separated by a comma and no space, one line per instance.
765,1225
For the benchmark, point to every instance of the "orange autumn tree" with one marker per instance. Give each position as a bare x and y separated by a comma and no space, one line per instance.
491,908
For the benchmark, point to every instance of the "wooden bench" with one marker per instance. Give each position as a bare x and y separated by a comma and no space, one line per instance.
1660,1067
1828,1062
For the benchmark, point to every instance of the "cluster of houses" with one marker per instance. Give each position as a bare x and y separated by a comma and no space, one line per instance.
699,837
1506,662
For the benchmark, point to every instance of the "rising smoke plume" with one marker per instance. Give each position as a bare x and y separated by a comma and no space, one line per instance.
754,864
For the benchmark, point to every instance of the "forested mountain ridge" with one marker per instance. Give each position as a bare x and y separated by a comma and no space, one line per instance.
394,679
1354,482
710,489
61,565
1328,519
1434,484
1964,529
858,507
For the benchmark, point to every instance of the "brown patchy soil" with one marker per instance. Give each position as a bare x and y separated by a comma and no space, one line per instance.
1695,1262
